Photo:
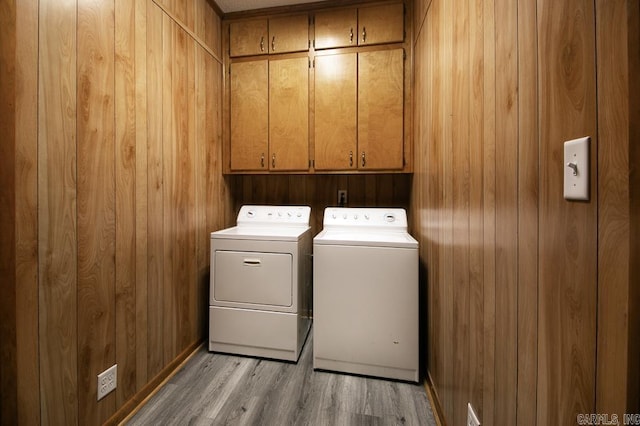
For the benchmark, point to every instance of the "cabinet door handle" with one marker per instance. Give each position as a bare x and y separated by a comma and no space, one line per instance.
262,44
364,160
273,44
364,34
262,160
351,36
273,161
350,158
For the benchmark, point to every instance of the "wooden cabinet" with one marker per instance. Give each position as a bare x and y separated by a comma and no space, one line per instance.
249,106
289,34
381,109
381,24
344,113
335,112
361,26
269,36
336,28
377,106
289,114
269,115
248,38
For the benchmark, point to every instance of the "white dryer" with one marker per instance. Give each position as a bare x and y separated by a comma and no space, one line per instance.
365,294
260,285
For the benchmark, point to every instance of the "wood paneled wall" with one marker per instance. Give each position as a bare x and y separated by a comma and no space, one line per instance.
516,274
111,181
321,191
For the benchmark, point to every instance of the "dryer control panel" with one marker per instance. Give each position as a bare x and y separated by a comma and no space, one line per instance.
251,215
392,219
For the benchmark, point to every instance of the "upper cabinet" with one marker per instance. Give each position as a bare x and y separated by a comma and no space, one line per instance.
289,34
319,89
248,38
359,106
269,115
269,36
362,26
336,28
381,24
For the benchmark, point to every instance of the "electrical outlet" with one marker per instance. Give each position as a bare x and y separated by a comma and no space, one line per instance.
342,197
472,419
107,381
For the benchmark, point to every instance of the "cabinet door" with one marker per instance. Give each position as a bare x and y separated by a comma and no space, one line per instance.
248,38
381,24
336,28
289,34
289,114
380,109
335,112
248,115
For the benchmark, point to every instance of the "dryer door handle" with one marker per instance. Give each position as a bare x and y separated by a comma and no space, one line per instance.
252,262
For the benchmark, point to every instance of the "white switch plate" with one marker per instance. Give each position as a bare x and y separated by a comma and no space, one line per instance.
576,157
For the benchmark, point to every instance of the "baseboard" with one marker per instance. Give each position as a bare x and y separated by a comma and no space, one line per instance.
434,400
131,407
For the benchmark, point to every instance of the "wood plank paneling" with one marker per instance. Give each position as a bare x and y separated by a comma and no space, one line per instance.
57,219
460,175
320,191
96,206
476,73
568,250
99,201
528,168
155,247
26,234
141,199
506,210
8,376
618,40
633,385
125,198
521,81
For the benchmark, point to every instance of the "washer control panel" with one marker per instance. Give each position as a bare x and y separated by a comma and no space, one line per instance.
365,217
269,215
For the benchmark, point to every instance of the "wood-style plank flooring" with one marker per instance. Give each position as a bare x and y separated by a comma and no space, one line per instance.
219,389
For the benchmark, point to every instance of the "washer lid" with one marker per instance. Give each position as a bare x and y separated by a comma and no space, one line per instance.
365,237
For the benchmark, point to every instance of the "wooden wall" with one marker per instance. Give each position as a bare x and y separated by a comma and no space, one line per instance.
531,302
321,191
113,183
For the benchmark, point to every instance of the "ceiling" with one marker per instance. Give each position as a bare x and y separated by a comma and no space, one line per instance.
228,6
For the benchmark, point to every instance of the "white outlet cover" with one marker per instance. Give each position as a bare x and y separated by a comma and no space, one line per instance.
107,381
576,157
472,418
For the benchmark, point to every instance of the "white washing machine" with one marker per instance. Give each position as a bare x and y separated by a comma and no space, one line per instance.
260,285
365,294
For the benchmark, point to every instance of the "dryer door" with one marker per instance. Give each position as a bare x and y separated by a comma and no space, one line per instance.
253,278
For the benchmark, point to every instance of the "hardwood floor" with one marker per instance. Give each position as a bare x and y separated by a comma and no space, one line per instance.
224,389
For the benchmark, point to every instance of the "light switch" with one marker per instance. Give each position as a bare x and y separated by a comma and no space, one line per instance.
576,169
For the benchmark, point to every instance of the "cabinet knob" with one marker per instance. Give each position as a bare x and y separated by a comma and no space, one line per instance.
364,159
273,44
262,44
350,158
364,34
351,36
273,161
262,160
